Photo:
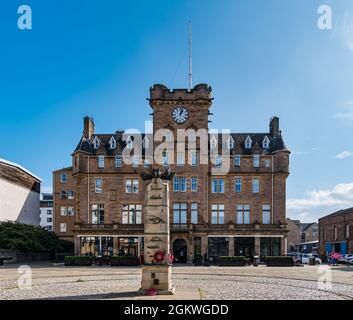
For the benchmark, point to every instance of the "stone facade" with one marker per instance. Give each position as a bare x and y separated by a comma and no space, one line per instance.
294,235
248,221
336,232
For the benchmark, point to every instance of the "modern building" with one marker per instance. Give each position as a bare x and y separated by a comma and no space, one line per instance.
19,194
336,232
99,200
46,211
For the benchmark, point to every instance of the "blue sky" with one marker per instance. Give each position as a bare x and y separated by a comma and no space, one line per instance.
262,58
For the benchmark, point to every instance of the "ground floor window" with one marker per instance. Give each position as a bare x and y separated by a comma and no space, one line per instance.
217,247
96,246
130,247
270,247
244,247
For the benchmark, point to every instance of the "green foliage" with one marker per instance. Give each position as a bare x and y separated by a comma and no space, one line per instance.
122,258
78,261
273,261
279,259
232,258
76,258
23,237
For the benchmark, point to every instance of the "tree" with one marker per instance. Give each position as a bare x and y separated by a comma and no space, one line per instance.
23,237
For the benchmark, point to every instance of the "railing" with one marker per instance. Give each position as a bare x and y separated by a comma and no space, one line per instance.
180,226
95,226
130,227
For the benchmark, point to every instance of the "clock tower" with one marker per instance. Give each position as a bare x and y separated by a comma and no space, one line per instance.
180,108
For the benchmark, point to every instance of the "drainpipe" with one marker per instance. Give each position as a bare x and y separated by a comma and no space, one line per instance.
88,196
272,176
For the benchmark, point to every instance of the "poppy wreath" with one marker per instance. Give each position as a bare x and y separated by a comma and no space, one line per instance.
159,256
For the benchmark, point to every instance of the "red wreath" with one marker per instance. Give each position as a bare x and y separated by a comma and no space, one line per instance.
159,256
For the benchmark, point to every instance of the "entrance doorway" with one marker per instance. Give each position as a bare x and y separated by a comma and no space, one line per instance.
180,251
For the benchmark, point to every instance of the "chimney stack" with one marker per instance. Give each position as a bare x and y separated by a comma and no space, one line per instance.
274,127
88,127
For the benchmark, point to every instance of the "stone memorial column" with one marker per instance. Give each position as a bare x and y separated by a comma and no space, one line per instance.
156,270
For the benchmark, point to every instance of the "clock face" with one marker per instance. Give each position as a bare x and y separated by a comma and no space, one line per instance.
180,115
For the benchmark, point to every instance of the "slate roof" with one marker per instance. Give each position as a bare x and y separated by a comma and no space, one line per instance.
276,143
338,213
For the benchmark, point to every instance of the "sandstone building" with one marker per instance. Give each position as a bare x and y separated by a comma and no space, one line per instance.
99,201
336,232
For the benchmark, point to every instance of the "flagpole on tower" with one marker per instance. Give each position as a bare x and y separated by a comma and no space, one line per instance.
190,55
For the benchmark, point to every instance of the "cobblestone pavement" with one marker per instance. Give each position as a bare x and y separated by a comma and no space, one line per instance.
77,283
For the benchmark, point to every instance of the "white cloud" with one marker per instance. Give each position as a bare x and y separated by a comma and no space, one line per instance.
344,155
319,203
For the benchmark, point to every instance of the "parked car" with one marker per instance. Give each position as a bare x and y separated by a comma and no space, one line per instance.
348,257
349,260
295,256
306,256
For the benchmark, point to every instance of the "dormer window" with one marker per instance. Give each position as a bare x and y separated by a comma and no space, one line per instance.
112,143
129,143
266,143
96,143
230,143
213,142
248,143
145,143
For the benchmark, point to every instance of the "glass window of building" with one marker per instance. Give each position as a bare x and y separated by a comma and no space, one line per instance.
238,184
131,185
256,185
194,158
194,184
176,184
180,159
63,177
98,185
97,213
256,160
118,161
179,213
194,213
182,184
237,160
218,214
63,227
243,214
132,214
101,160
218,185
266,214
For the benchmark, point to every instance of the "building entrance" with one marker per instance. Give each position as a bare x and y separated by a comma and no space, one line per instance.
180,251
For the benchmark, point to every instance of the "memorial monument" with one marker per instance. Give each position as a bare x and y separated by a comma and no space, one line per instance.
156,269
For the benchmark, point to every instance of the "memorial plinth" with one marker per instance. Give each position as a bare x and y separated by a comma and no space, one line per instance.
156,270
